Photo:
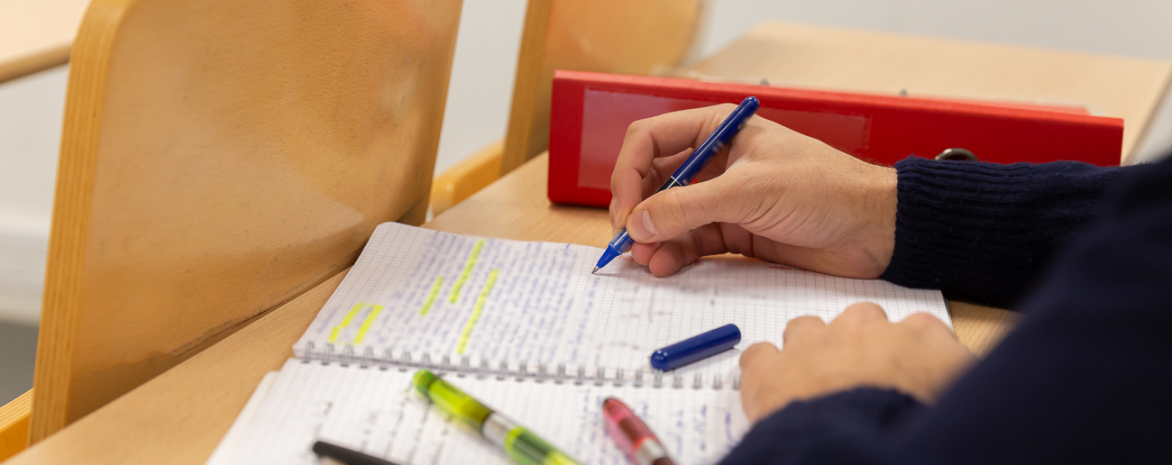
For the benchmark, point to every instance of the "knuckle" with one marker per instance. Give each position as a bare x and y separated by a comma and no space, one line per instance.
923,322
755,353
675,210
862,312
637,126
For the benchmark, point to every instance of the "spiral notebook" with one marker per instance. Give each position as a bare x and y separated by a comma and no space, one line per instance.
526,327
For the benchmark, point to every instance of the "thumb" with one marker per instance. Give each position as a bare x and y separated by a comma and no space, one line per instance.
671,213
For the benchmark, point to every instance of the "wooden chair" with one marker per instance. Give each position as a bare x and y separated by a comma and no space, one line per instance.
220,158
612,36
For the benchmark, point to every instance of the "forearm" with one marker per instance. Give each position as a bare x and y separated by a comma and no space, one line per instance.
982,232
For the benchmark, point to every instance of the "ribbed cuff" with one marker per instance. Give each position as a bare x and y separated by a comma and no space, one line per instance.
980,231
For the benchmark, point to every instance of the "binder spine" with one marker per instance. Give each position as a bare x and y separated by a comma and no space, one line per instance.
521,371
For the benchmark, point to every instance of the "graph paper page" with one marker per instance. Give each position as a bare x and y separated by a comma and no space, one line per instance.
446,295
377,412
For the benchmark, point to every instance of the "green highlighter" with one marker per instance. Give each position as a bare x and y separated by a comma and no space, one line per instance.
520,444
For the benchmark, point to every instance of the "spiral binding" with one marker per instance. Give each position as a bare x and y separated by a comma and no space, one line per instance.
522,371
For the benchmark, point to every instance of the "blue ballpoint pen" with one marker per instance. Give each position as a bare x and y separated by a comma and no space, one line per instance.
688,171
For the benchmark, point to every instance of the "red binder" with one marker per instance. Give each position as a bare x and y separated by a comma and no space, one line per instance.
591,112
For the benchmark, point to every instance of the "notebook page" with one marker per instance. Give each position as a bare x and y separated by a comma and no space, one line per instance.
491,301
377,412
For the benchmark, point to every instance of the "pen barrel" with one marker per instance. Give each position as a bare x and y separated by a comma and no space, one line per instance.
520,444
451,399
632,435
651,452
621,242
715,142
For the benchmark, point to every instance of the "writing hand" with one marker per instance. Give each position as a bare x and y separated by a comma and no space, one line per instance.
772,193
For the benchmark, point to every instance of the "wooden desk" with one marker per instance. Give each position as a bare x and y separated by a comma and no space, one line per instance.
36,34
801,55
180,416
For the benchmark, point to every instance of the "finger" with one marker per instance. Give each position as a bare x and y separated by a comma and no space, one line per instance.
802,325
642,253
703,241
652,138
757,353
661,170
860,314
614,216
671,213
667,260
928,324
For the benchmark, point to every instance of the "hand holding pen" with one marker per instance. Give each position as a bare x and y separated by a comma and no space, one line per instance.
779,196
687,171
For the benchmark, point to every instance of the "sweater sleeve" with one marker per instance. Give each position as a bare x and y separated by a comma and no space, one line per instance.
1084,378
981,232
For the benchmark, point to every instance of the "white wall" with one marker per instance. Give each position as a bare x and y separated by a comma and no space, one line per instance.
482,76
31,109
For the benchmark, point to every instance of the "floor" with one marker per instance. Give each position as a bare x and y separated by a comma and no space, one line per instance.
18,348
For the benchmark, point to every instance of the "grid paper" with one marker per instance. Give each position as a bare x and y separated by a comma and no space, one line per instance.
429,293
376,411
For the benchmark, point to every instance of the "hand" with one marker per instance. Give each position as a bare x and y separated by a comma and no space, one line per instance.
773,194
919,356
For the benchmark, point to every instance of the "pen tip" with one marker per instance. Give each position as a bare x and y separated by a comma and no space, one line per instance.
595,270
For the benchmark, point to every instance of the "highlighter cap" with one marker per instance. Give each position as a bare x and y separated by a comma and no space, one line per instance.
696,348
450,398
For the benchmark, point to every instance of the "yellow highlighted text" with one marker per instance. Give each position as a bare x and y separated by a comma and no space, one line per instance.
464,335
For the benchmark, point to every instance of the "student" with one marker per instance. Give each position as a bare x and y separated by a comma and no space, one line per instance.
1084,253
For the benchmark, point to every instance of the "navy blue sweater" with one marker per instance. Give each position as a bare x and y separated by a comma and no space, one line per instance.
1085,254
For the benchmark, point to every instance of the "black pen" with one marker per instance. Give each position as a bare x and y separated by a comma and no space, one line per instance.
334,454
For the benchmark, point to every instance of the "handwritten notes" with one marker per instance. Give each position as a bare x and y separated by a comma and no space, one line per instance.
425,298
423,292
376,411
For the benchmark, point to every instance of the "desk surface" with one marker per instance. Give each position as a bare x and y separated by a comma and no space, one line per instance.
180,416
840,59
36,34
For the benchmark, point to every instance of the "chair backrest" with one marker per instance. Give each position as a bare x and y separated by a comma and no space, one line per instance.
220,157
611,36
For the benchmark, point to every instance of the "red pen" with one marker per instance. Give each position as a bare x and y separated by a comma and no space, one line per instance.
632,435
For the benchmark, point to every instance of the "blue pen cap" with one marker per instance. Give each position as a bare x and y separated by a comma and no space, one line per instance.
696,348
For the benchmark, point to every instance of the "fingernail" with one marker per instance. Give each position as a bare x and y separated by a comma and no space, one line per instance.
642,229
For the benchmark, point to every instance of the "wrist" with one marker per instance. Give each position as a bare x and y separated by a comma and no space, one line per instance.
880,205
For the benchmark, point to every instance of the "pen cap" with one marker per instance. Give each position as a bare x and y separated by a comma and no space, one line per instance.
450,399
696,348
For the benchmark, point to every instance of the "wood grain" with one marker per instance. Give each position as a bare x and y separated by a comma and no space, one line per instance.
611,36
14,425
219,159
806,56
466,178
36,35
180,416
